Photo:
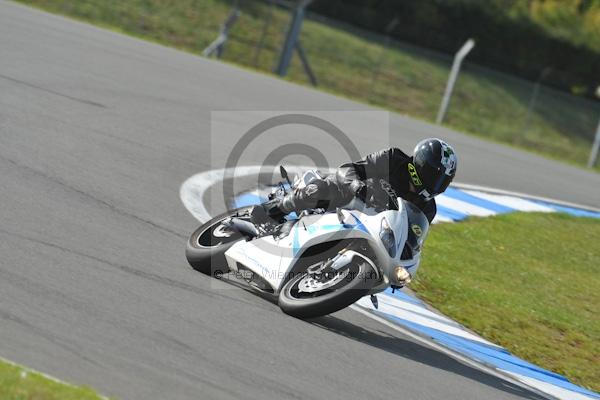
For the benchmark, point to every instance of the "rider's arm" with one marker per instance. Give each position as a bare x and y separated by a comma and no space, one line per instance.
378,164
375,165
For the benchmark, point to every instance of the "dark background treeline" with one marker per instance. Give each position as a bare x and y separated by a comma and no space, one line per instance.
507,37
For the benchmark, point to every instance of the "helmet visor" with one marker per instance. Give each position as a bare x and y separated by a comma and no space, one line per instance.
435,180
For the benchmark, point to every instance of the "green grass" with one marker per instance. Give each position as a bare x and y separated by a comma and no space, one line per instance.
17,383
527,281
356,64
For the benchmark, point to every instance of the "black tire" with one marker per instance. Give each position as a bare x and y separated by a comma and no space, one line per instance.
205,252
337,297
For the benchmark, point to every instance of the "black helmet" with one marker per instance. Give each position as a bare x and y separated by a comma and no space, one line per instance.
434,167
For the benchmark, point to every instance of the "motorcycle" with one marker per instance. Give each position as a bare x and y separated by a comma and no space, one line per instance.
317,262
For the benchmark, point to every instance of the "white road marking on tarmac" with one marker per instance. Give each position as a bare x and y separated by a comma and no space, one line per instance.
480,188
440,218
420,315
549,388
193,189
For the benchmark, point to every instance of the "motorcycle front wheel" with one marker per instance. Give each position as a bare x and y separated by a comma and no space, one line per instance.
308,295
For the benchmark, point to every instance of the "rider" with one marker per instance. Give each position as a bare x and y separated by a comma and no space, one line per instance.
417,179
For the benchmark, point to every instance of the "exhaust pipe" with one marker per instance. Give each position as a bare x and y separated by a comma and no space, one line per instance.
244,227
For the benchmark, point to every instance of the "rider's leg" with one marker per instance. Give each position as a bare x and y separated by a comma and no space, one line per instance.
320,193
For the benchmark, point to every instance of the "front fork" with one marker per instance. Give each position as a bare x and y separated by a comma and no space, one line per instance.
338,262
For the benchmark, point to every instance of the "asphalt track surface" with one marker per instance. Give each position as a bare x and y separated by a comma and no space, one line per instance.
97,132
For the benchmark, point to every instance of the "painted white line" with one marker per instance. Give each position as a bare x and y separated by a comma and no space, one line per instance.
440,218
462,206
511,201
422,316
193,189
419,314
556,391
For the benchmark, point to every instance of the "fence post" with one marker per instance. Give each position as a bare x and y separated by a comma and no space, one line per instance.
458,58
595,147
534,96
292,37
216,47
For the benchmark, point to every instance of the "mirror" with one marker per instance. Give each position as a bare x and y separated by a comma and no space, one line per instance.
283,173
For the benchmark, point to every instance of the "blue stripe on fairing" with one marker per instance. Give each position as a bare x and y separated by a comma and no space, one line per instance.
295,240
332,227
450,213
497,357
359,223
578,212
476,201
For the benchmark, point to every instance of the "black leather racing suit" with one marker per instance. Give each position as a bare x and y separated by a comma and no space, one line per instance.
350,180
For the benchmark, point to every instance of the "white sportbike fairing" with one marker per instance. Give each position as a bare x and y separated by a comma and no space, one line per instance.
318,262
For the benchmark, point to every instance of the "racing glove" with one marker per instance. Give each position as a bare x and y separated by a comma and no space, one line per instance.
359,189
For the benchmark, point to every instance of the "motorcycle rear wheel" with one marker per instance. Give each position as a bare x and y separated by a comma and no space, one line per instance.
356,283
206,247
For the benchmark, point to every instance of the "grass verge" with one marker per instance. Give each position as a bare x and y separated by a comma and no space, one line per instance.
527,281
361,66
17,383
